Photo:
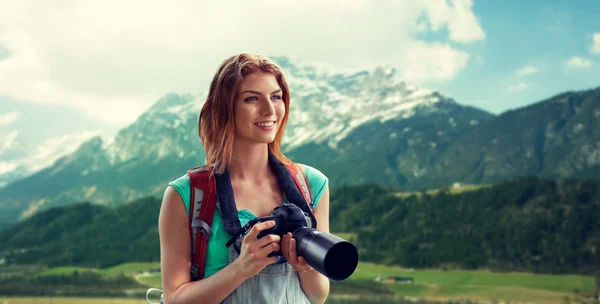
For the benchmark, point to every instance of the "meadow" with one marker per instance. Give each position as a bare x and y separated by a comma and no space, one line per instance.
432,285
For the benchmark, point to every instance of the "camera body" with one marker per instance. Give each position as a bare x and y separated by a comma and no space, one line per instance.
330,255
287,218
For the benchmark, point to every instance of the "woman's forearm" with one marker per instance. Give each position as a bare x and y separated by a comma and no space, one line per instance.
315,286
213,289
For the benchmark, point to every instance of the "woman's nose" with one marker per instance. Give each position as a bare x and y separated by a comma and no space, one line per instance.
267,108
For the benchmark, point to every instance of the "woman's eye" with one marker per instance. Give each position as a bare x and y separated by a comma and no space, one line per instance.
251,98
276,97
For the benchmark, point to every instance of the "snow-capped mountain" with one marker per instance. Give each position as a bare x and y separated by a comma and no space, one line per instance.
328,107
166,129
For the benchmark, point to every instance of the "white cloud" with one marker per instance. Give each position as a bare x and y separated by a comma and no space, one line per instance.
9,118
52,149
595,48
458,18
426,62
8,142
517,87
45,154
527,70
6,167
578,62
112,59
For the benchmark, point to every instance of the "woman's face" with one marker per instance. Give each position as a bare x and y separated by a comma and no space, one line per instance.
258,108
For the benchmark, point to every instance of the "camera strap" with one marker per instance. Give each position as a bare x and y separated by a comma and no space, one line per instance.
242,231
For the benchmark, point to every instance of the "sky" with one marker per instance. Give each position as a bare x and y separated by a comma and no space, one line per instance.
74,69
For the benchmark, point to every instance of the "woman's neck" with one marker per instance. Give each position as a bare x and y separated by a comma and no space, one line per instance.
249,162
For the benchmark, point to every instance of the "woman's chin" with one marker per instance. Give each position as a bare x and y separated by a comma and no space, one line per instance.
263,140
267,140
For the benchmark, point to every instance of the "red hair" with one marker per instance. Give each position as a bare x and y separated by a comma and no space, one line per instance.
216,124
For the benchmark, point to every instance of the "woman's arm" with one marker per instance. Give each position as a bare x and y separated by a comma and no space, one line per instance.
175,250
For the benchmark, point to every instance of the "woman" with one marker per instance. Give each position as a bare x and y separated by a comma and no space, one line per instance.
241,125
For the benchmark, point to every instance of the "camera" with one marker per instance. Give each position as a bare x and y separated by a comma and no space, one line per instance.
330,255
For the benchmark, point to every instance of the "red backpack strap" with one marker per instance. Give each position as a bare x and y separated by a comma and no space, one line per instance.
302,184
203,201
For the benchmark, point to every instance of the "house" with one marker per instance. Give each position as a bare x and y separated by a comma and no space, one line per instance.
409,280
394,279
592,295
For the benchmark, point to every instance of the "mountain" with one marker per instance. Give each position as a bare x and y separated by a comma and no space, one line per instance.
368,126
328,109
395,152
140,161
555,138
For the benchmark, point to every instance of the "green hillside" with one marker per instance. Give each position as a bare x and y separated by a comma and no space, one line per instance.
528,224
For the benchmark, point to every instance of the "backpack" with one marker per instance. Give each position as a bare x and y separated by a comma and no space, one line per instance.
203,201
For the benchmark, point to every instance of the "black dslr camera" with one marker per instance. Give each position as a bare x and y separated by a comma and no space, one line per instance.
330,255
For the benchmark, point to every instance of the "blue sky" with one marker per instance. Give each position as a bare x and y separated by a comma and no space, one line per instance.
540,34
66,73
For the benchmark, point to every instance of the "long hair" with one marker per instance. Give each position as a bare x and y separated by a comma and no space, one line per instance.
216,124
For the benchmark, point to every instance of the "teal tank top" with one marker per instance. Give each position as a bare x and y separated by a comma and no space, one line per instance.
217,255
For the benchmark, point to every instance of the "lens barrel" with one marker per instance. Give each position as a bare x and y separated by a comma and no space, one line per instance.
330,255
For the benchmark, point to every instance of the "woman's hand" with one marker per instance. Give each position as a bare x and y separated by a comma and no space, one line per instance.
288,247
254,252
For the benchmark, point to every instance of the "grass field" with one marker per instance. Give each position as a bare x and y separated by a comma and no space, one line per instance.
438,285
126,269
130,268
21,270
65,270
479,284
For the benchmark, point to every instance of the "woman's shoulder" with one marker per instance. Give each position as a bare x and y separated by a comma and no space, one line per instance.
182,185
312,172
317,181
316,178
183,180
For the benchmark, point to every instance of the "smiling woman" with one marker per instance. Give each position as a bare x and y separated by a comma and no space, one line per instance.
241,127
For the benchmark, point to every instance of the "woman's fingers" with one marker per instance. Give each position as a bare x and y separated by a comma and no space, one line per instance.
267,239
284,245
268,249
292,251
299,263
258,228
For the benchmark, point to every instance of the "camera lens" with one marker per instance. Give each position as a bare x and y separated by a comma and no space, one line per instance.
330,255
